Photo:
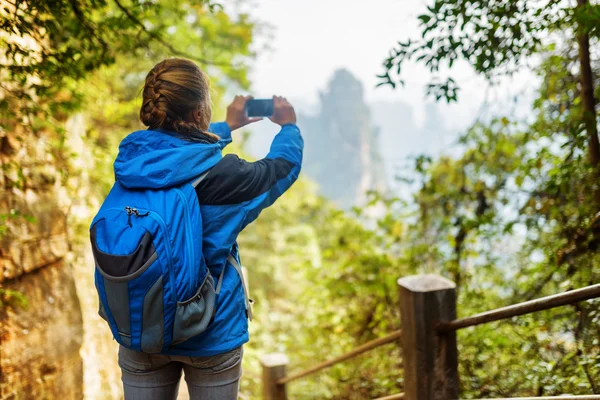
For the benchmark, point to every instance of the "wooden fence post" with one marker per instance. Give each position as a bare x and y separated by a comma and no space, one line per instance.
430,360
274,366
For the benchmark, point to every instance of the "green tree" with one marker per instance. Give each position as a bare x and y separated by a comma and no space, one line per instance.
496,38
48,42
515,215
62,57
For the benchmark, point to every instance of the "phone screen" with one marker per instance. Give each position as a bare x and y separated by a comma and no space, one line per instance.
259,107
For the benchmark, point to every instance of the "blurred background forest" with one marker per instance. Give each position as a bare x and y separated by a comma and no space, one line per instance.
508,207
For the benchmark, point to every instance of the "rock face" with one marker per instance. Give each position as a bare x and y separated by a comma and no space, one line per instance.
101,373
40,341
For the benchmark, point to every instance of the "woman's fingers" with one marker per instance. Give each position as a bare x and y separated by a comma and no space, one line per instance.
283,111
236,113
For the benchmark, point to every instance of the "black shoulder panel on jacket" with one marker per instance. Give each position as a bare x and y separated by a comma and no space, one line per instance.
233,180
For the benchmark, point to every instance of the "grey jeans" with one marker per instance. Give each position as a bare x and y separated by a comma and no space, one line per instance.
156,376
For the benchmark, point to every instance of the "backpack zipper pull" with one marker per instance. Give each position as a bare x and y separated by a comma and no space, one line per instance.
129,211
137,213
134,211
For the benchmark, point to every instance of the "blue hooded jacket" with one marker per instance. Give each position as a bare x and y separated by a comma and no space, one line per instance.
231,195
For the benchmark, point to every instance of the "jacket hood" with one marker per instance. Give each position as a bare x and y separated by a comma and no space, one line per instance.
156,159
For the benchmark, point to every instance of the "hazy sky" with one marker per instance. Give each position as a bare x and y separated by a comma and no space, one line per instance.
311,38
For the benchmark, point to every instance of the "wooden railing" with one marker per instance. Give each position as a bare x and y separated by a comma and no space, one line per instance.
428,340
351,354
274,367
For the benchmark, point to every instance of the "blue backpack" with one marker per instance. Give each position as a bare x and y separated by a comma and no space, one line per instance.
154,286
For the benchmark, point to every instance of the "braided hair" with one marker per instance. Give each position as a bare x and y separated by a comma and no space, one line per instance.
175,89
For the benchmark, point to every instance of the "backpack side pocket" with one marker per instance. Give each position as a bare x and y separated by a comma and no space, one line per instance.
193,316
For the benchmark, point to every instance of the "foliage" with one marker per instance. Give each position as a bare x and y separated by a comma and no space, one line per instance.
323,284
495,37
514,217
50,42
54,49
13,216
52,45
12,298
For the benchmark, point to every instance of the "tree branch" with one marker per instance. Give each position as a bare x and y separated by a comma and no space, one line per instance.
81,17
160,40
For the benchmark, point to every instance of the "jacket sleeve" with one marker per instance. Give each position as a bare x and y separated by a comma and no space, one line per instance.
255,185
286,149
222,130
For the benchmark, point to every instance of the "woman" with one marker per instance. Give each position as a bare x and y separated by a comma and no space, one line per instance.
231,193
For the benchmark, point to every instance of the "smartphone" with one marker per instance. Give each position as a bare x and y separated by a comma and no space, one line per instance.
259,107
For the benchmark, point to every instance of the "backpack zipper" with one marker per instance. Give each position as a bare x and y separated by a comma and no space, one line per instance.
190,244
155,216
134,211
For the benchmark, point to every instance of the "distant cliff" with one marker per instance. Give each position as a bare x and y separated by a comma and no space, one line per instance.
353,146
342,151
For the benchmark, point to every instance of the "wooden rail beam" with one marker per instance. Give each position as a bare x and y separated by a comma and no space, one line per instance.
528,307
392,337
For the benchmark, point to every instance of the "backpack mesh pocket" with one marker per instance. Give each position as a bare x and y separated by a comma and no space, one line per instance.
193,316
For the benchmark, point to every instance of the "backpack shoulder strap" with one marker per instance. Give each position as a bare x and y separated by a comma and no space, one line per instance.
200,179
231,259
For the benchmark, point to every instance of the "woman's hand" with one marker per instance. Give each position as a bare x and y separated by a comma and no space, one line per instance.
236,113
283,112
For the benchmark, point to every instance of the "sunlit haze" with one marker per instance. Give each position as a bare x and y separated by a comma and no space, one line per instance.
310,39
